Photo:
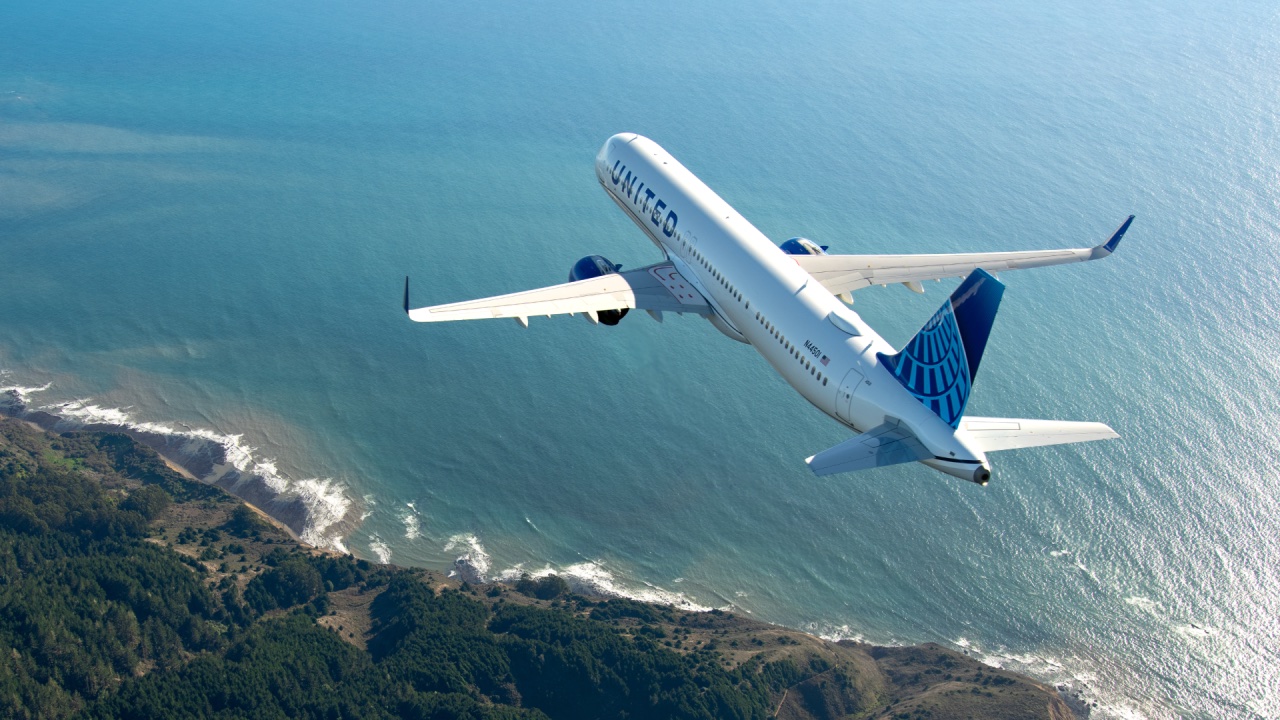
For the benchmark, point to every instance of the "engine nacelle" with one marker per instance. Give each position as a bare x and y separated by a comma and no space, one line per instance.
802,246
594,266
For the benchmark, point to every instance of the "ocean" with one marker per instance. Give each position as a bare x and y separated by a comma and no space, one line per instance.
207,212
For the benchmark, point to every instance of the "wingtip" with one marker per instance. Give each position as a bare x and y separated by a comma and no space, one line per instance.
1111,244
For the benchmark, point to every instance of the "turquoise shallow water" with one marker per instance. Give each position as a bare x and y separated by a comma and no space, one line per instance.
206,214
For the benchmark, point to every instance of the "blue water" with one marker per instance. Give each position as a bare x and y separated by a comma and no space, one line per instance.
207,210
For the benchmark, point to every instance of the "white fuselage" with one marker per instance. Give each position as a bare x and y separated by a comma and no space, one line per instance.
761,296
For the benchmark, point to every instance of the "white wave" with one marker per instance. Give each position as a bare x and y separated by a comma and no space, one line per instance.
270,474
526,519
473,564
1039,665
327,504
238,455
380,550
591,578
22,393
835,633
325,500
412,529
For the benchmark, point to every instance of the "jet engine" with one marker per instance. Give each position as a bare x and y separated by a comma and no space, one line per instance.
594,266
802,246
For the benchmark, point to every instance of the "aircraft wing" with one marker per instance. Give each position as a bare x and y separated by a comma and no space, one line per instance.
656,288
846,273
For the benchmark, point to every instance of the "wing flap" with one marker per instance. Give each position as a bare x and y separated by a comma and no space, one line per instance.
656,287
890,443
993,434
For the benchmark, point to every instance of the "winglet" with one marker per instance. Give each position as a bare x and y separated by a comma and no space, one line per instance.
406,294
1110,246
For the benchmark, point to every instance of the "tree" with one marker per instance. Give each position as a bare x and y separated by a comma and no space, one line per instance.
292,582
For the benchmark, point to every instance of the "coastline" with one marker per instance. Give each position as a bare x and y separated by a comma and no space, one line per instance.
198,458
230,548
211,459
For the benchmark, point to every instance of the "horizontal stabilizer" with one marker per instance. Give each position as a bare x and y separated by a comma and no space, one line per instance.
890,443
992,434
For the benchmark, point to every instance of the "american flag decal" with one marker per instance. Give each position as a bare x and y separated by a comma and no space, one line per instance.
825,360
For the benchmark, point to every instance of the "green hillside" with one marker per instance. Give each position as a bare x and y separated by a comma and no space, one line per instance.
127,591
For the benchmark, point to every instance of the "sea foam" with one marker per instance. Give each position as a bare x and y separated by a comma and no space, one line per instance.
590,578
412,526
380,549
474,562
18,394
316,509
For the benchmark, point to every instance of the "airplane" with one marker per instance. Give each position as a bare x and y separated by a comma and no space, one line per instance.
791,303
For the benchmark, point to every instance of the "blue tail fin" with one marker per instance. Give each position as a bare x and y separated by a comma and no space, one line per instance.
940,362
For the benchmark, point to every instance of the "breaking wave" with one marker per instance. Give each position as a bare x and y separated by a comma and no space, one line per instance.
593,579
380,550
835,633
412,526
317,510
18,394
474,562
589,578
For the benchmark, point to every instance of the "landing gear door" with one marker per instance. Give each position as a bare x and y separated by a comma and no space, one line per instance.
844,396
